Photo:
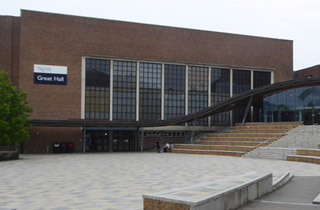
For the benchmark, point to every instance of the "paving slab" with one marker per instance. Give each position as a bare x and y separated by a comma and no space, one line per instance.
118,180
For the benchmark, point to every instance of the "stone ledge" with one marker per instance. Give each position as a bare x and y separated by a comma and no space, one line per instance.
304,158
222,194
284,179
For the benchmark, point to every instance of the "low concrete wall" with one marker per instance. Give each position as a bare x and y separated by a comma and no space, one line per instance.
282,181
230,198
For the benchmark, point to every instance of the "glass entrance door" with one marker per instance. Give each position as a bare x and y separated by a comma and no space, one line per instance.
311,116
97,141
123,141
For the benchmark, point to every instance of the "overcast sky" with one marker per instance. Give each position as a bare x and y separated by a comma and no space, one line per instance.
297,20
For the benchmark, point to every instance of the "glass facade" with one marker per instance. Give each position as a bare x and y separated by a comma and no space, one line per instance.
241,83
150,91
97,90
261,78
162,89
174,90
124,90
220,91
156,79
197,91
300,104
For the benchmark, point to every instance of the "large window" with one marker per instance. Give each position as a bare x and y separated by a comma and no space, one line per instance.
150,91
300,104
220,91
241,81
261,78
97,95
197,91
174,90
124,90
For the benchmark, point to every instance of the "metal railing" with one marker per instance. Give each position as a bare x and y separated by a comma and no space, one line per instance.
304,138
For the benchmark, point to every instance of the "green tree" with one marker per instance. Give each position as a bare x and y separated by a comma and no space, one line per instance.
14,113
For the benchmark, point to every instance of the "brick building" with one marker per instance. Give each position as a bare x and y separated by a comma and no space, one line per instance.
313,71
85,68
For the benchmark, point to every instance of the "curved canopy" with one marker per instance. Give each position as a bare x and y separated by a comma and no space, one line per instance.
238,101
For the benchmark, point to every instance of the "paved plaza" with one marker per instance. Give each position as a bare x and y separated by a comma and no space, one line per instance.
118,180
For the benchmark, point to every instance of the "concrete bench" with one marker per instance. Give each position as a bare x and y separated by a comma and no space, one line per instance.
208,152
224,194
304,158
309,152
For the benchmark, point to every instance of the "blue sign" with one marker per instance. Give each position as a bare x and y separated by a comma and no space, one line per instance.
48,74
52,79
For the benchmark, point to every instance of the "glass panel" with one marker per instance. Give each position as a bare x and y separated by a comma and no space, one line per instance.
300,104
261,78
241,81
197,91
150,91
97,89
220,91
174,90
124,90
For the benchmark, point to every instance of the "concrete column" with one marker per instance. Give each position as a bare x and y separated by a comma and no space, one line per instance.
110,140
272,77
84,139
142,139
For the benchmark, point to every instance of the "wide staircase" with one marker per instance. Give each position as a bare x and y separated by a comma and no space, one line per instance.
237,140
306,155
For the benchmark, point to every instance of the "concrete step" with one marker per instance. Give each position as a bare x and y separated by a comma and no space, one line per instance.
271,153
266,135
309,152
234,143
213,147
257,131
251,139
303,158
270,123
270,127
208,152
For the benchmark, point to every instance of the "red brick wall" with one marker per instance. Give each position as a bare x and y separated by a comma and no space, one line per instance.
6,44
9,46
149,204
313,71
61,40
43,138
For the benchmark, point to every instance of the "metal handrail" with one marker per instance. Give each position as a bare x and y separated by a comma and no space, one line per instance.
291,146
258,146
294,135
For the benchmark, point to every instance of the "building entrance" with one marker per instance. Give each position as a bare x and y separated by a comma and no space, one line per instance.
107,140
97,141
311,116
124,141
